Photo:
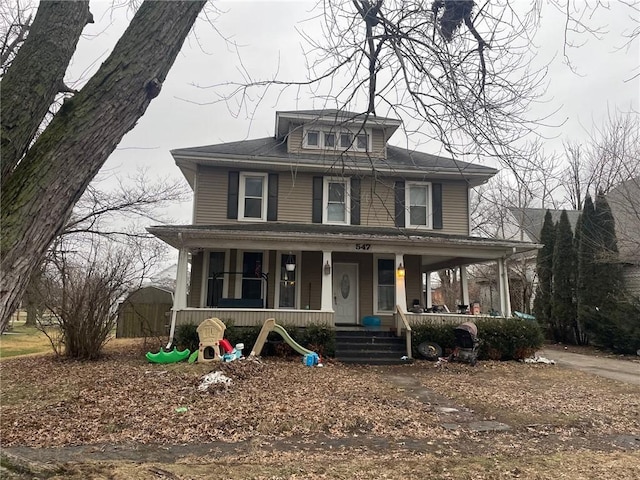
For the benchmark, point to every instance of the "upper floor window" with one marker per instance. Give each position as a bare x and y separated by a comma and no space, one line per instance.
312,139
252,199
418,206
336,200
330,139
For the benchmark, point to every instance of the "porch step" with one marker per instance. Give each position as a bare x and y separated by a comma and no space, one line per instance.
371,347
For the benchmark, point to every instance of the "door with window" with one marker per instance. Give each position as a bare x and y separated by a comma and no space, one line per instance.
345,293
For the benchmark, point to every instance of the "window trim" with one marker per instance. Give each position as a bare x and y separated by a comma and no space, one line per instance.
407,203
241,196
338,132
347,199
376,258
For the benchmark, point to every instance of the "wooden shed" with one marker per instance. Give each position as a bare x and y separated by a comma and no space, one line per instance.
144,313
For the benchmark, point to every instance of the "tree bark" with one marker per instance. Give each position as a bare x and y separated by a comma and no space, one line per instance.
36,75
39,195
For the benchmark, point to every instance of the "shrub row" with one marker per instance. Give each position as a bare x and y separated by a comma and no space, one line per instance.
501,339
317,337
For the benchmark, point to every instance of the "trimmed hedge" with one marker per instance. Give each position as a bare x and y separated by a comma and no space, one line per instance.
501,339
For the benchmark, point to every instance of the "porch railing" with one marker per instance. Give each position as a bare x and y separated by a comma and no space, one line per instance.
401,322
243,317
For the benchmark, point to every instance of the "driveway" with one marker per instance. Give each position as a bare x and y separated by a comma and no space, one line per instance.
622,370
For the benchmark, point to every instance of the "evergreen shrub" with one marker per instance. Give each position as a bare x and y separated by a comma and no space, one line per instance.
501,339
186,336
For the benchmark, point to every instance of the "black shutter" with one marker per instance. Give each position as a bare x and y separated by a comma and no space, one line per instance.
272,204
437,205
316,209
232,195
355,201
399,191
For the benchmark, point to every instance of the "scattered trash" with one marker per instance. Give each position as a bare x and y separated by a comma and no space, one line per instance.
213,378
537,359
181,409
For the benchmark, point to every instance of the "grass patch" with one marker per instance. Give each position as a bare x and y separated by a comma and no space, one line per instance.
22,340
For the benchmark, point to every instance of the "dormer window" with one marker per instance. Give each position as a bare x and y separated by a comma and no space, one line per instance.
362,142
313,139
345,140
327,138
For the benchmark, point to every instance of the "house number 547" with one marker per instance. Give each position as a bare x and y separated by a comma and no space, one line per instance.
363,246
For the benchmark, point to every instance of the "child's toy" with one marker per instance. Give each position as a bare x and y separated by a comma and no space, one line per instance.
168,357
211,333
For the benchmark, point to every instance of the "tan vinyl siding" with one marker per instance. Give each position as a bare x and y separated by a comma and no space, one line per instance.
195,285
295,200
295,197
377,202
455,208
210,197
378,143
294,139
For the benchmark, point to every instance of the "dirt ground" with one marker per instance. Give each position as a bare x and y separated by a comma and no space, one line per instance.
121,417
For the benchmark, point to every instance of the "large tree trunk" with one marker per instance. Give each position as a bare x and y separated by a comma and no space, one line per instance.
40,193
36,75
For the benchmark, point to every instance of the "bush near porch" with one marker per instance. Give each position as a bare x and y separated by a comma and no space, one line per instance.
501,339
316,336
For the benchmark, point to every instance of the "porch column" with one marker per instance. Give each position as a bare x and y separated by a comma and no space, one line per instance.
464,285
180,294
505,301
401,291
326,301
428,300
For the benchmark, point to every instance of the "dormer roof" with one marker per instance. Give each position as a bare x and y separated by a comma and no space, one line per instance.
334,118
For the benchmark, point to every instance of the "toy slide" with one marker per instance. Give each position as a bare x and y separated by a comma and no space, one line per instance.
271,325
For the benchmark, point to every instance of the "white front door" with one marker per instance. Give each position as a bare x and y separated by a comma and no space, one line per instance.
345,293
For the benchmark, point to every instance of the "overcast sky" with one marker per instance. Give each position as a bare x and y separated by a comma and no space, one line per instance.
186,115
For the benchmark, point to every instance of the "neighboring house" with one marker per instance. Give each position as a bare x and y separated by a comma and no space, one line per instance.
530,221
323,222
624,201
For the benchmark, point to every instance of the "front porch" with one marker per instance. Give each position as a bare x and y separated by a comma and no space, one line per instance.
302,274
301,318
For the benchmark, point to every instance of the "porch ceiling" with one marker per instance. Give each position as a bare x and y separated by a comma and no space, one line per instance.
437,250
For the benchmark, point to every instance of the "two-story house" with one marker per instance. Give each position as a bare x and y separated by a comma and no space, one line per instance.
324,221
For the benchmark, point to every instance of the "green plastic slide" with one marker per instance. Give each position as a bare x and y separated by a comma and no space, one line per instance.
168,357
292,343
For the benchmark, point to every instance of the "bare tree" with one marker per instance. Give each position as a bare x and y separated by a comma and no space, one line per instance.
15,20
83,289
43,178
112,214
609,158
